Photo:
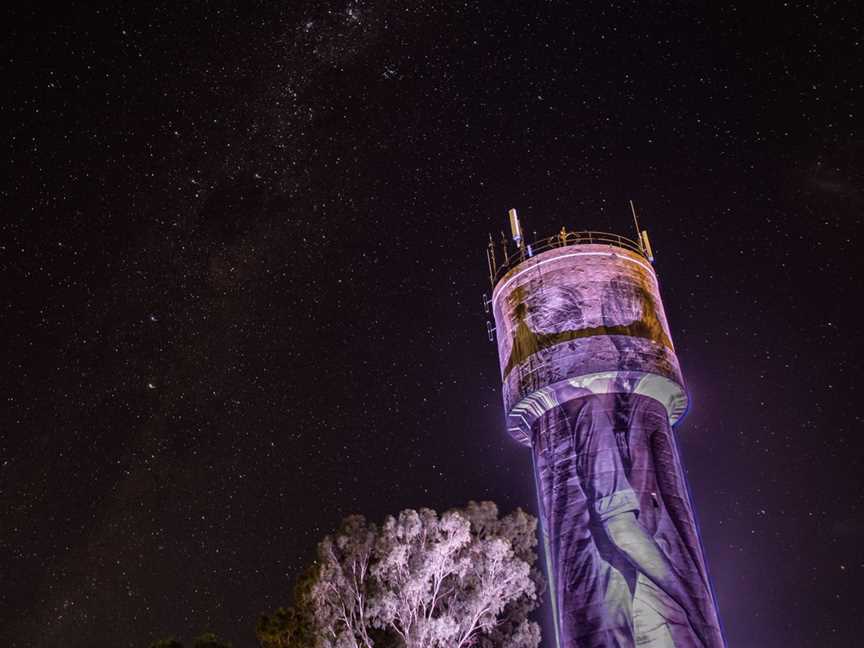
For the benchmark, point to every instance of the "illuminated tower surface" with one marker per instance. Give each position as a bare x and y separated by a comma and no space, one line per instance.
592,385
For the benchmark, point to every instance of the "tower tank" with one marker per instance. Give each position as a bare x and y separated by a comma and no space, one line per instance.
592,385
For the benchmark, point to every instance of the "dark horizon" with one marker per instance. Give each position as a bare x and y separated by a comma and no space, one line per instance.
243,253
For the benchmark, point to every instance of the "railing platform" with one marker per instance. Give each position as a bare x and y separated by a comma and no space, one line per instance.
514,255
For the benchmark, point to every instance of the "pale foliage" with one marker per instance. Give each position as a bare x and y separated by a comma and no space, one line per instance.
422,580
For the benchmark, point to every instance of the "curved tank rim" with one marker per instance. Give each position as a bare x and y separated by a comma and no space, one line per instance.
555,254
672,395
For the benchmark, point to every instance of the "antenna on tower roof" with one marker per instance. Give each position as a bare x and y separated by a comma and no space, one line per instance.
515,227
490,259
636,222
642,236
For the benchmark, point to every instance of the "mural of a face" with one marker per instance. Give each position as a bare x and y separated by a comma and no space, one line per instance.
623,302
557,309
629,308
550,315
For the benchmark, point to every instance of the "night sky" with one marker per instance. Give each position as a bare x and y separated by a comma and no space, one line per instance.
242,250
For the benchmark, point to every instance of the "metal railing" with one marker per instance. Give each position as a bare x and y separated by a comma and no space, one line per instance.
513,255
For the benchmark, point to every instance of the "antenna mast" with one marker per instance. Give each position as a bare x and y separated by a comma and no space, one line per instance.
515,227
642,236
636,223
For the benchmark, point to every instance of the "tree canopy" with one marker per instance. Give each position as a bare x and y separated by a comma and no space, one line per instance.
419,580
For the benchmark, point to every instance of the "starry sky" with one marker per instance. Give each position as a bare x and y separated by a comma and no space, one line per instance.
242,250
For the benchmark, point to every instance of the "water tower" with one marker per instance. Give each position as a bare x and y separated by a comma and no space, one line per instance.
592,385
